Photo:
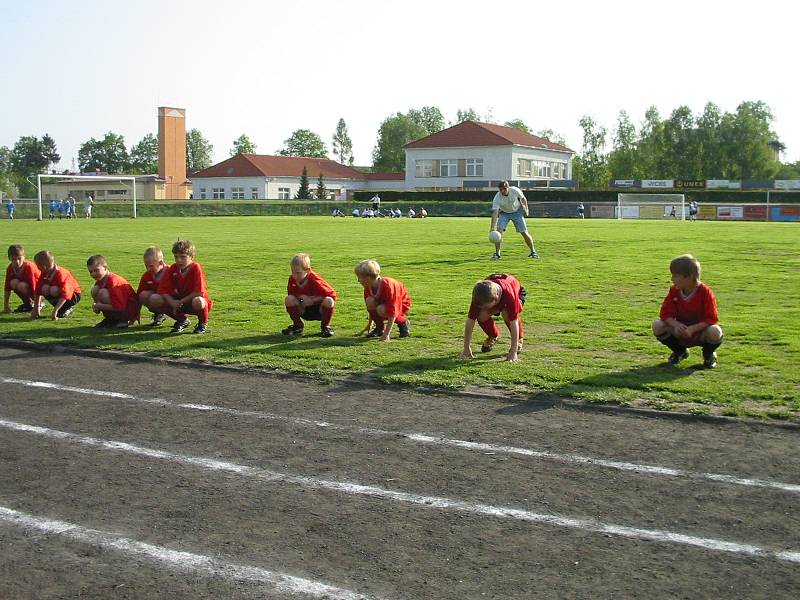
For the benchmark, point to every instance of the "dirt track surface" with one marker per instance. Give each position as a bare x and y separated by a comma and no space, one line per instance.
283,496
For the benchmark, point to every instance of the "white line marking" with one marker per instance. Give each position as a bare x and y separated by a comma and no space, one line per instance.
356,489
184,561
429,439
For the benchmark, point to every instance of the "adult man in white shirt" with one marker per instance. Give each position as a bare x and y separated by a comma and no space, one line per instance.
510,204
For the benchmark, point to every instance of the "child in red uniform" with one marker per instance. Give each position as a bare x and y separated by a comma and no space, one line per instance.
22,277
57,285
112,295
308,297
498,294
182,290
689,314
386,299
155,267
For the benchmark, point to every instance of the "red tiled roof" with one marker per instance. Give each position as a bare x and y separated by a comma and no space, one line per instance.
263,165
473,133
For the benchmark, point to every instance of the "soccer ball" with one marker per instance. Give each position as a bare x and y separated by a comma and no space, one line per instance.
495,237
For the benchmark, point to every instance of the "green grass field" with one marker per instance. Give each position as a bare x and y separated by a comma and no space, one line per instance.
591,300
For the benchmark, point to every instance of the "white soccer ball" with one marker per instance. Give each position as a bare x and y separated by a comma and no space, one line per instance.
495,237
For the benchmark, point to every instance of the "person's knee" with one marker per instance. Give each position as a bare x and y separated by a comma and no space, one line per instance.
327,302
144,297
53,291
381,310
370,302
713,334
291,301
21,287
659,327
156,300
198,303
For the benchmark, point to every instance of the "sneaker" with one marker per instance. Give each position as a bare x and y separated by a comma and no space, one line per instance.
326,331
496,256
201,328
104,324
120,325
710,362
677,357
63,314
24,308
292,330
404,330
180,325
158,319
376,332
488,344
533,255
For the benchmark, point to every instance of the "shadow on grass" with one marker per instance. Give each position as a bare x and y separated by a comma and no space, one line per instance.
637,378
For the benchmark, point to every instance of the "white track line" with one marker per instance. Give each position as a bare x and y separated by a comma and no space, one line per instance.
183,561
429,439
356,489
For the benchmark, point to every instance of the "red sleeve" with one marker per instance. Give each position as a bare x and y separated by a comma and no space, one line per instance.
33,273
321,287
67,282
668,305
143,283
710,314
120,291
290,285
196,282
165,286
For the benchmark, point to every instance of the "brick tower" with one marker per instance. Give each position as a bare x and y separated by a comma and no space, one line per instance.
172,152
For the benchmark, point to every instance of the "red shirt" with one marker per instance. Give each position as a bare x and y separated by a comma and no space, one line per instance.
314,286
123,298
28,272
509,304
179,285
393,295
701,306
149,282
63,279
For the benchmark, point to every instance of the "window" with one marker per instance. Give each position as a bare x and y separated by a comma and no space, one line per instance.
202,193
523,167
254,193
474,167
424,168
283,193
217,193
237,193
541,168
448,168
117,192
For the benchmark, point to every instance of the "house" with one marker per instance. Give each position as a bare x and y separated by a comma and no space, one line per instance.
148,187
477,155
259,176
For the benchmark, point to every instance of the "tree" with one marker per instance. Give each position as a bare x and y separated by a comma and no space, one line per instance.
518,124
243,145
623,159
681,145
108,155
342,144
322,192
591,167
394,132
748,135
650,145
430,117
6,178
29,157
552,136
708,136
198,151
467,114
304,193
304,142
144,155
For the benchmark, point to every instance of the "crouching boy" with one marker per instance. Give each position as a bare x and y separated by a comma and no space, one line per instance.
57,285
112,294
308,297
498,294
387,301
155,268
689,314
22,277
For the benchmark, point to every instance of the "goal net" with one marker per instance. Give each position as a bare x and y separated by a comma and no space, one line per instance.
126,181
651,206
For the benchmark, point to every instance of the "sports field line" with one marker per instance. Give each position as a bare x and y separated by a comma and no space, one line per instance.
427,439
182,561
438,502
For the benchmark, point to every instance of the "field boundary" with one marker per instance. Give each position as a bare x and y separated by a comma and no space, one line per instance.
480,394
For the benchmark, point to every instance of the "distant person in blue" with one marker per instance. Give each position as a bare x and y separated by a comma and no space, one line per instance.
67,208
61,208
53,208
10,208
581,210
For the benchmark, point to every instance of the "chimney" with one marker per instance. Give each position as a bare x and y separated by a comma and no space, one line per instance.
172,152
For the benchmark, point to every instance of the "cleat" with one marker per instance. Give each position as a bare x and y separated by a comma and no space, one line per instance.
710,361
63,314
404,329
201,328
104,324
488,343
24,308
376,332
326,331
677,357
120,325
533,255
158,319
292,330
180,325
496,256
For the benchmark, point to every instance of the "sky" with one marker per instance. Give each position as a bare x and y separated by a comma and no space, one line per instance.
79,69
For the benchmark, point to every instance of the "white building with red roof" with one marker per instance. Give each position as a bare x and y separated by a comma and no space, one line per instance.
474,155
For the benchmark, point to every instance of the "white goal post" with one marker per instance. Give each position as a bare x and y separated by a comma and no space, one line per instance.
68,178
651,206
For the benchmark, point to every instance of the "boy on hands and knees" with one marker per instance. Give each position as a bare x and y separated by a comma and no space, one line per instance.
387,300
112,294
689,314
183,290
22,277
510,204
308,297
498,294
57,285
155,268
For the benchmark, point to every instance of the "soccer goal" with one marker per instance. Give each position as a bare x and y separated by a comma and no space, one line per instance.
651,206
69,178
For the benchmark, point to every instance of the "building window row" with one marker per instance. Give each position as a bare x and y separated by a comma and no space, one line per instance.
541,168
449,167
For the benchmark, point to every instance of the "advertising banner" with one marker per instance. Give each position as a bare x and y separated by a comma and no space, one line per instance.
623,183
755,213
657,183
723,184
690,184
787,184
730,212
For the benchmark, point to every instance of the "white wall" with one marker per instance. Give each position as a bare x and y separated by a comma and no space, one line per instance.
269,187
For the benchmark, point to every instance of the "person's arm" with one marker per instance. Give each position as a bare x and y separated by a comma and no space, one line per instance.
495,215
61,302
6,298
524,202
513,329
469,326
387,329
